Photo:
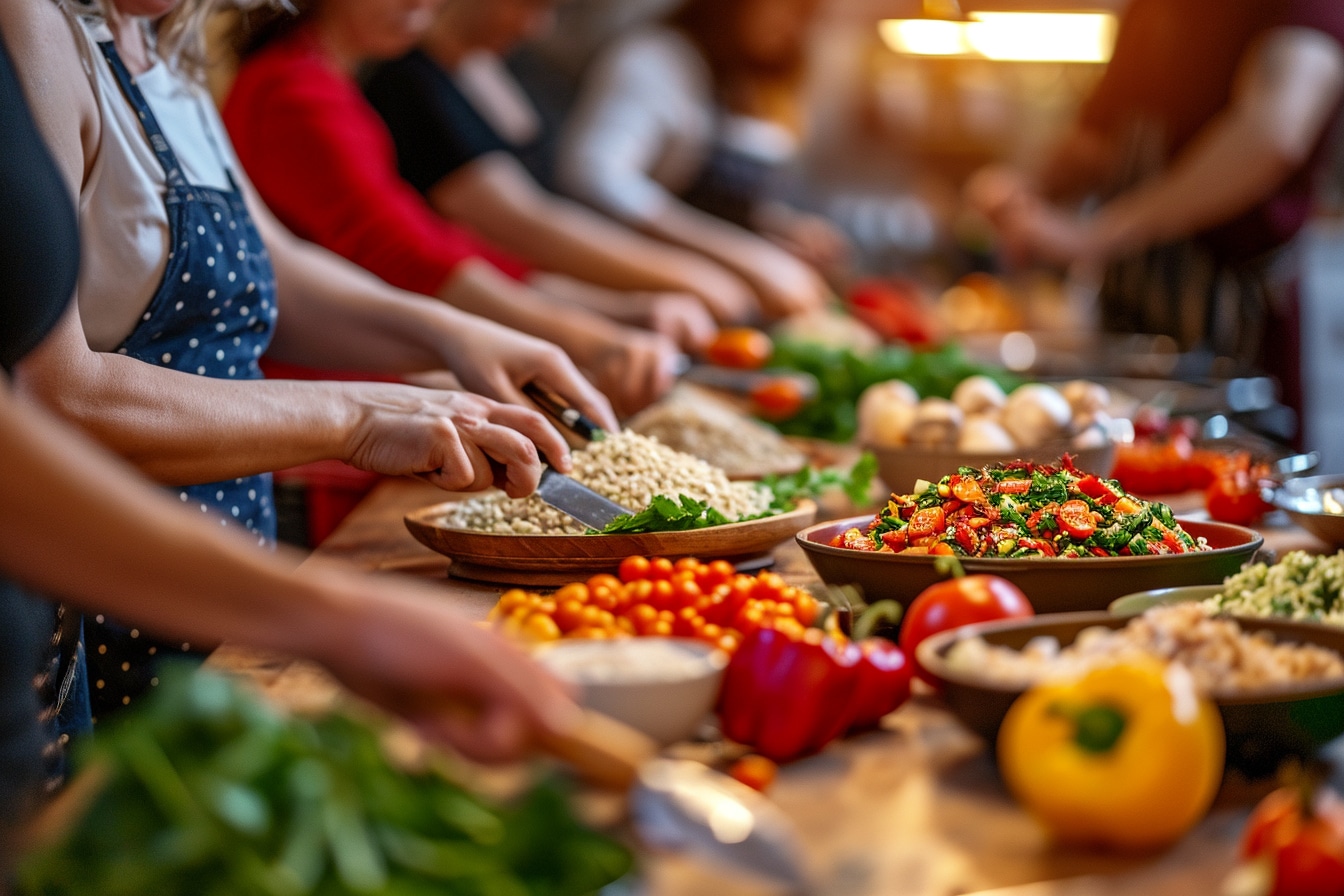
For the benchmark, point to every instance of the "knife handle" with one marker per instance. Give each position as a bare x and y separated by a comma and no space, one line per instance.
571,418
601,750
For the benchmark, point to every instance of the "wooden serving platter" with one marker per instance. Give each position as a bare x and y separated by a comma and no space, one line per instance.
558,559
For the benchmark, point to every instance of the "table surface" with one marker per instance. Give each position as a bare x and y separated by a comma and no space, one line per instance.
915,808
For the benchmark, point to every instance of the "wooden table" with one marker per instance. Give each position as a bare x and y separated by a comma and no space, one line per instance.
915,808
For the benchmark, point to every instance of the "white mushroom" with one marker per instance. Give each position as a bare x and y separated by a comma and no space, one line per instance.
977,394
1085,396
984,435
937,424
1036,413
885,412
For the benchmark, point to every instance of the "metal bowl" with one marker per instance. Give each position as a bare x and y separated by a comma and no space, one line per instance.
1263,726
1316,503
1053,585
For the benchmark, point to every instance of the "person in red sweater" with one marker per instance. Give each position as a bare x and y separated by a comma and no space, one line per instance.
324,162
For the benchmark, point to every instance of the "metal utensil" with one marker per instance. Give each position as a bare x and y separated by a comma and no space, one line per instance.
681,805
743,382
578,500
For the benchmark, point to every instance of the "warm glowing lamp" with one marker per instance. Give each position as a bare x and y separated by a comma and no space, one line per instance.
1004,36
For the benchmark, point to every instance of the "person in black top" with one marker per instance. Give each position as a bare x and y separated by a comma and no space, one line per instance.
76,523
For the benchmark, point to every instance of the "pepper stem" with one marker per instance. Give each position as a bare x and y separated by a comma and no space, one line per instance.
882,611
1096,728
949,565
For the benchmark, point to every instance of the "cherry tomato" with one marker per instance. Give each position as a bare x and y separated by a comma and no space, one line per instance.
741,347
925,522
1305,849
756,772
633,568
1075,518
957,602
569,615
660,568
777,399
967,490
540,627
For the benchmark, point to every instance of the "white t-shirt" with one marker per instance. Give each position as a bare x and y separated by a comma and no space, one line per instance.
645,124
123,222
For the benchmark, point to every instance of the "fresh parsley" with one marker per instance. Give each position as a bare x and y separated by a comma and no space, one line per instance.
665,514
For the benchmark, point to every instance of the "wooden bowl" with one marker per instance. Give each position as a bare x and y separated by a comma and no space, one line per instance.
558,559
1052,584
1264,725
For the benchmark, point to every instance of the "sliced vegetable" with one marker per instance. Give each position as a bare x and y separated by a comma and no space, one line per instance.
1075,517
740,347
1300,834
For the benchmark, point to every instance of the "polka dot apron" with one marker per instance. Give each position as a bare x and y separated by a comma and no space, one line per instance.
213,315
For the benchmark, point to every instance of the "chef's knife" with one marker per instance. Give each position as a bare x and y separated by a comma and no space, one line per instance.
681,805
569,417
743,382
578,500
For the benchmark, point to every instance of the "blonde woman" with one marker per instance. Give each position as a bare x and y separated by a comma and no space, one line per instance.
183,271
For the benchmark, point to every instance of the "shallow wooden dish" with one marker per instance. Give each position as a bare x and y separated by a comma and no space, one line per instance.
557,559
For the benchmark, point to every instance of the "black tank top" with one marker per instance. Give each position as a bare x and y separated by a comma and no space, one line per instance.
39,261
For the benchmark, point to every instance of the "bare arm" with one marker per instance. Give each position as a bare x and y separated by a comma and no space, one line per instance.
497,197
1285,95
76,525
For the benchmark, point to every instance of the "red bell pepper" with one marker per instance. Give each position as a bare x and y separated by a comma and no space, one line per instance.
789,696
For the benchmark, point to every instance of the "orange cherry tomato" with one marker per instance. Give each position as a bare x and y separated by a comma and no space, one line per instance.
573,591
687,564
777,399
569,615
925,522
741,347
660,569
967,490
604,580
540,627
634,568
756,772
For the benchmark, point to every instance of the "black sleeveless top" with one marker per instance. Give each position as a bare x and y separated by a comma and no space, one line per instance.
39,261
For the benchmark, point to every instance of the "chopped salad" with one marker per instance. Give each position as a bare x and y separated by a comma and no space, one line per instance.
1022,509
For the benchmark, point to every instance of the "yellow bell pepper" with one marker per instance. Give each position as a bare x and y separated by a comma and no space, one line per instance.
1126,756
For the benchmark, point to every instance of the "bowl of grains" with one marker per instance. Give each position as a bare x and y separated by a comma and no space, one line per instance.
524,541
1278,684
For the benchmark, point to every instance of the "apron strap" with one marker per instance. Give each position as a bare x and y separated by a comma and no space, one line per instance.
148,123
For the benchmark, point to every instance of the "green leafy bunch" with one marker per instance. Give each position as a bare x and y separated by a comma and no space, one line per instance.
209,791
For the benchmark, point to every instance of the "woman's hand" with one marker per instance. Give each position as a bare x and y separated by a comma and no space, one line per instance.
812,238
681,318
455,682
784,284
635,368
497,361
456,440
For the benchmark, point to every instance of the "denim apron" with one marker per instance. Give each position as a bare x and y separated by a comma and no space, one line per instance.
212,315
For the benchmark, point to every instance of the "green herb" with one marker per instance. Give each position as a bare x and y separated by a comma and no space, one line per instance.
812,483
210,792
667,515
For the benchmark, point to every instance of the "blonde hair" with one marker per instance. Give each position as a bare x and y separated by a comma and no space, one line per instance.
181,34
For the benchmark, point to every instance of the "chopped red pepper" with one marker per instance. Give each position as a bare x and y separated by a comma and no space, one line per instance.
854,539
1013,487
1094,488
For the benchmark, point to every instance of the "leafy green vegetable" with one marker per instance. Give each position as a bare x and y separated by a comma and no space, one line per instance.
667,515
210,791
812,483
842,374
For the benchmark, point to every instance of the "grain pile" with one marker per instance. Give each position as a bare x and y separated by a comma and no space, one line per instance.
702,425
628,468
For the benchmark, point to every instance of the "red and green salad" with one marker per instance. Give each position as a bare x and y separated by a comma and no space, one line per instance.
1022,509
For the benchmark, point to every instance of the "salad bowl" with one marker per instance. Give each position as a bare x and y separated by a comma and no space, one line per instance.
1052,584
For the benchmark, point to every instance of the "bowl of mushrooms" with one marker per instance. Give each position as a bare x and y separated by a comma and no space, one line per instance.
917,438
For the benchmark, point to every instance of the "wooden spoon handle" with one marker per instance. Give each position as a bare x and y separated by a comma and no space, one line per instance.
601,750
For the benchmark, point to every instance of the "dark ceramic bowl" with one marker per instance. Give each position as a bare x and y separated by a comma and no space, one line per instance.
1052,585
1263,726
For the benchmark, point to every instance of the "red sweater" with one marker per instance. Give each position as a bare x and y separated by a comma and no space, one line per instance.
324,162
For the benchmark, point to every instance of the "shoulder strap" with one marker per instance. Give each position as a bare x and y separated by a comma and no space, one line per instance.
148,123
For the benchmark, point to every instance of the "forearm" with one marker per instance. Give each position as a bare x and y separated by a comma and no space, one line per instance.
707,234
182,429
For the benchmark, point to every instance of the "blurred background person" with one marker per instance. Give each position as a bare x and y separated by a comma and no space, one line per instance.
679,128
1204,140
459,119
323,160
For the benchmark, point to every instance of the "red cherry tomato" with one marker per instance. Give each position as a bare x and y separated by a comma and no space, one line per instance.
957,602
1075,518
740,347
1305,850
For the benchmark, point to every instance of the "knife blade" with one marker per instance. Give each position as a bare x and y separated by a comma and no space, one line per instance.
682,805
578,500
744,382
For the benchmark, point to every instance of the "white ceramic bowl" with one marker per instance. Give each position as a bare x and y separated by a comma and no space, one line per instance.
663,687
